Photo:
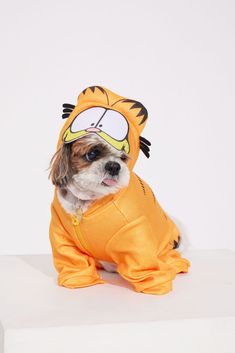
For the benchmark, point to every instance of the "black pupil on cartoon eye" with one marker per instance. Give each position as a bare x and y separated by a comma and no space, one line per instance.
100,125
91,156
92,124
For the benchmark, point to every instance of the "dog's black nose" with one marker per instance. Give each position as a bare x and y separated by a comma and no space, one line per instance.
113,168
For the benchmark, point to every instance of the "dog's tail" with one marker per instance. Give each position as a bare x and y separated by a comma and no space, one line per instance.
182,244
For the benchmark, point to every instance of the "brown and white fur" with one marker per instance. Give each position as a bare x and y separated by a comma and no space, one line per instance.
80,181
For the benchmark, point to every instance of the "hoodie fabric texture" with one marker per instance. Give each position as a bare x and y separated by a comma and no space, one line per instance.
128,228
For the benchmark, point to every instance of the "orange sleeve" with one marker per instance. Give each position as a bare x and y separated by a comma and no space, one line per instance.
134,250
75,268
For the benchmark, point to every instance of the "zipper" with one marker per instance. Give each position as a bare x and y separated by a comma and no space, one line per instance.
76,218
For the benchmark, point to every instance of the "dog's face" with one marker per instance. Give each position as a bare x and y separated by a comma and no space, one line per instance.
90,168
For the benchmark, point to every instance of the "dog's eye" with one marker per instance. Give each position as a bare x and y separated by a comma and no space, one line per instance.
123,158
92,155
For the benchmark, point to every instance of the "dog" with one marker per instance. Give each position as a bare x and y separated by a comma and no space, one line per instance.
104,216
87,170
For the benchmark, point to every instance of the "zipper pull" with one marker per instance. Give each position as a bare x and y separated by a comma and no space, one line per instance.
77,217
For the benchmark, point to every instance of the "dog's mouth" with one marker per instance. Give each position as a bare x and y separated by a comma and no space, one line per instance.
109,182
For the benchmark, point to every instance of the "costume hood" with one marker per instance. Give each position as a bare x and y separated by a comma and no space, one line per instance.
117,120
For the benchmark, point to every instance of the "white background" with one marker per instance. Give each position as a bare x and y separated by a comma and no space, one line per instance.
176,57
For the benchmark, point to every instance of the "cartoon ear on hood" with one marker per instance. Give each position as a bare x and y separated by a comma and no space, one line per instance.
119,121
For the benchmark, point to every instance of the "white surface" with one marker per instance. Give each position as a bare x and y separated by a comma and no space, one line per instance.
40,317
177,57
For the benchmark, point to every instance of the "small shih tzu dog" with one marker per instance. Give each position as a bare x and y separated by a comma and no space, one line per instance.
103,215
86,170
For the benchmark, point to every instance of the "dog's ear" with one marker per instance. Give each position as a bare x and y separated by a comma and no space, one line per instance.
60,166
144,146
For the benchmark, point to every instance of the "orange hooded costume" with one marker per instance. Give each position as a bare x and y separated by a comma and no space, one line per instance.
128,228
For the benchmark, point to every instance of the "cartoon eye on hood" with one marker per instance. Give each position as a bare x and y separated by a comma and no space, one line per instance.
114,124
111,125
87,119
